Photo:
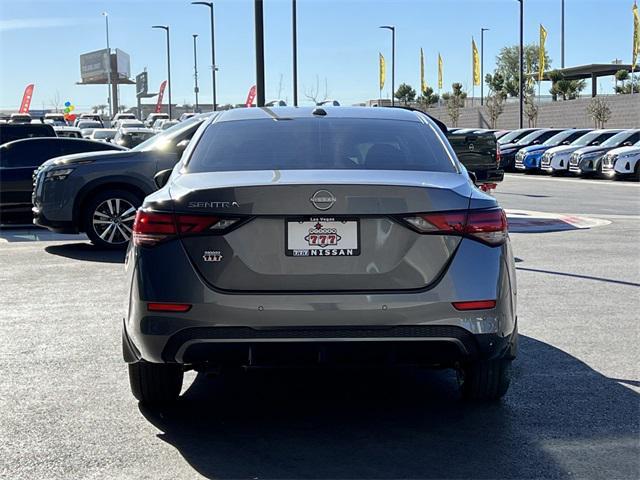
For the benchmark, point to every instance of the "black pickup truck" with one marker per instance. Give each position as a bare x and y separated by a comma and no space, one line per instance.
478,152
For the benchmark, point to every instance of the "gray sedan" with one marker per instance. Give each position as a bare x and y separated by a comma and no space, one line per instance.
324,236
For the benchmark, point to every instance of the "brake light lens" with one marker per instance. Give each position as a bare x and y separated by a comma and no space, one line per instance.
488,226
475,305
498,155
150,228
168,307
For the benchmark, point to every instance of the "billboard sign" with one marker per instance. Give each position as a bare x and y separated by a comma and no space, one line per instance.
123,64
94,65
142,84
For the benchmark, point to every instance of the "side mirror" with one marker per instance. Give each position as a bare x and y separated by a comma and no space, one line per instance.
594,143
162,177
566,142
182,145
627,144
473,177
536,142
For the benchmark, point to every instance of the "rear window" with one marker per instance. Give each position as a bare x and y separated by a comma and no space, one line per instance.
319,143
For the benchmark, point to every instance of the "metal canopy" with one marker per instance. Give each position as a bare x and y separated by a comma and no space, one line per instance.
592,71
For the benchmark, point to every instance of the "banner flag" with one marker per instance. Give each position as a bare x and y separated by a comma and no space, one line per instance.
476,63
26,99
423,84
382,70
439,71
250,97
543,38
160,95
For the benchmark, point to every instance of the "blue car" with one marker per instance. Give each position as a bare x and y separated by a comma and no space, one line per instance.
529,158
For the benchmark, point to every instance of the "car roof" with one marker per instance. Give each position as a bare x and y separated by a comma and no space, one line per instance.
283,113
137,130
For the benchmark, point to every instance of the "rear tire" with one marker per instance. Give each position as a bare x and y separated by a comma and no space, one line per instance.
155,383
485,380
108,218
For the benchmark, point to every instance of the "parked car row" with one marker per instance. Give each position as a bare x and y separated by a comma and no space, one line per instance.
604,153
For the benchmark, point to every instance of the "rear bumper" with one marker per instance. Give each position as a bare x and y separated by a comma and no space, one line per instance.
243,325
489,176
247,347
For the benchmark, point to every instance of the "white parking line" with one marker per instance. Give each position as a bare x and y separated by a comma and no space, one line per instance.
570,180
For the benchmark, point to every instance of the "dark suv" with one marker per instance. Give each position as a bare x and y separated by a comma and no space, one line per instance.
98,193
17,131
20,158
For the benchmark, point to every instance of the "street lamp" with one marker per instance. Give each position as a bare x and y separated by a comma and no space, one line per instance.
393,61
562,34
213,51
166,29
521,66
482,30
195,69
259,29
106,19
294,25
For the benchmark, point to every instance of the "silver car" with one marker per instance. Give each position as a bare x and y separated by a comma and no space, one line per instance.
325,236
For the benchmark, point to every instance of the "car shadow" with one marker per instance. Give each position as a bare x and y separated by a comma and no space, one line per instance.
86,252
560,419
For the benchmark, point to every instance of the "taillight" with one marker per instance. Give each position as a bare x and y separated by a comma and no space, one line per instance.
498,158
168,307
488,226
149,228
475,305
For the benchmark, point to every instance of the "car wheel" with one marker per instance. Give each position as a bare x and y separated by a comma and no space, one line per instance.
485,380
108,218
155,383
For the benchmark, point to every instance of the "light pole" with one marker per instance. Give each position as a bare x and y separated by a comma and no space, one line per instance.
294,25
259,27
213,51
166,29
195,69
482,30
521,66
106,19
562,35
393,61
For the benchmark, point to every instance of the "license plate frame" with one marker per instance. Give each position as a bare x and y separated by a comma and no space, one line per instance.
346,228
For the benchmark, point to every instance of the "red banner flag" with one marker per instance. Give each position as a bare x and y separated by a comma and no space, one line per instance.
160,95
251,97
26,99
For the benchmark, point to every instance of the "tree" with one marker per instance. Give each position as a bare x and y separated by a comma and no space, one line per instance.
561,87
494,101
625,88
55,101
508,65
100,107
531,109
405,93
454,101
428,98
599,110
313,94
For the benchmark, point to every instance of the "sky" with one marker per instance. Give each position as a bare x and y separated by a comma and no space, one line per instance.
338,44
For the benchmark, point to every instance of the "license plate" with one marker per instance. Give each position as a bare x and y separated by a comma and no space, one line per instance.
323,237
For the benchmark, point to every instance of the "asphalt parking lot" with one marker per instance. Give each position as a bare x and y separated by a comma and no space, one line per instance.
573,410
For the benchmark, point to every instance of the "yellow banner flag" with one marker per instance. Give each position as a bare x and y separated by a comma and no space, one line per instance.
439,71
476,63
636,35
543,38
382,71
423,84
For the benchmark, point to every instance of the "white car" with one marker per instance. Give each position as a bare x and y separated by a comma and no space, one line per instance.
103,134
87,127
127,123
556,160
155,116
622,162
68,132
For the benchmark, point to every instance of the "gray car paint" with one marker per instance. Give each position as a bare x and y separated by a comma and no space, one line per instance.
170,272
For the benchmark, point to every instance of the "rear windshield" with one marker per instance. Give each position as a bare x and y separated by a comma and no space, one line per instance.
319,143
